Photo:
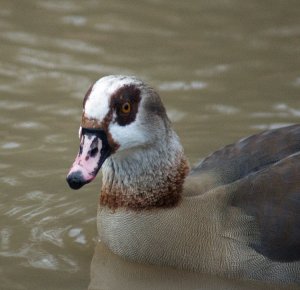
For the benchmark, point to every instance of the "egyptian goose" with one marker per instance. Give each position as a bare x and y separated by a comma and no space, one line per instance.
236,214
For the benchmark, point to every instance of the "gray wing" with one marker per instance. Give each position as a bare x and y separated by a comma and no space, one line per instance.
264,171
272,197
249,155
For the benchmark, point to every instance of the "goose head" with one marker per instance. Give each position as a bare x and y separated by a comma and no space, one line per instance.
121,116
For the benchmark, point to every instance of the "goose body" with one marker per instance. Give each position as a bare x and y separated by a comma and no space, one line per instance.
235,214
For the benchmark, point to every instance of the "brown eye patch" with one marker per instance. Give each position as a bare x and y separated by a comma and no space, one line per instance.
126,102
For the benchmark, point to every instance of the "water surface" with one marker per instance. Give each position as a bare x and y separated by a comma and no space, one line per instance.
225,69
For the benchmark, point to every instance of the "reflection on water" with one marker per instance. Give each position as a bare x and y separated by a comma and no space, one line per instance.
109,271
225,69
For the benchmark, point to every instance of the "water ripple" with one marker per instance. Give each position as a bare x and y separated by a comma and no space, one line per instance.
175,115
34,213
75,20
223,109
59,6
42,260
297,82
46,60
35,195
54,236
180,85
25,38
14,105
4,166
286,109
30,173
18,210
29,125
78,235
10,145
12,181
78,45
5,235
212,71
270,126
281,110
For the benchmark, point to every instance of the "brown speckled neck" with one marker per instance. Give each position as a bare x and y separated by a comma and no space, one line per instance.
164,194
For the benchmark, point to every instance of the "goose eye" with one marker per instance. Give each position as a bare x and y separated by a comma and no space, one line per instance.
126,108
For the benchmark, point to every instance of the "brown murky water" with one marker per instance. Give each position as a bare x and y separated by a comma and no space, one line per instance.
225,69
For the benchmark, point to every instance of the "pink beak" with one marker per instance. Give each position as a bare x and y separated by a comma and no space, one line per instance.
93,151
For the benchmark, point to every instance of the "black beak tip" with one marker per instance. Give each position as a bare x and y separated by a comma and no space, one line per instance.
75,180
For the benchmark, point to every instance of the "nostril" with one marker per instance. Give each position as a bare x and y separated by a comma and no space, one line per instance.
94,151
75,180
